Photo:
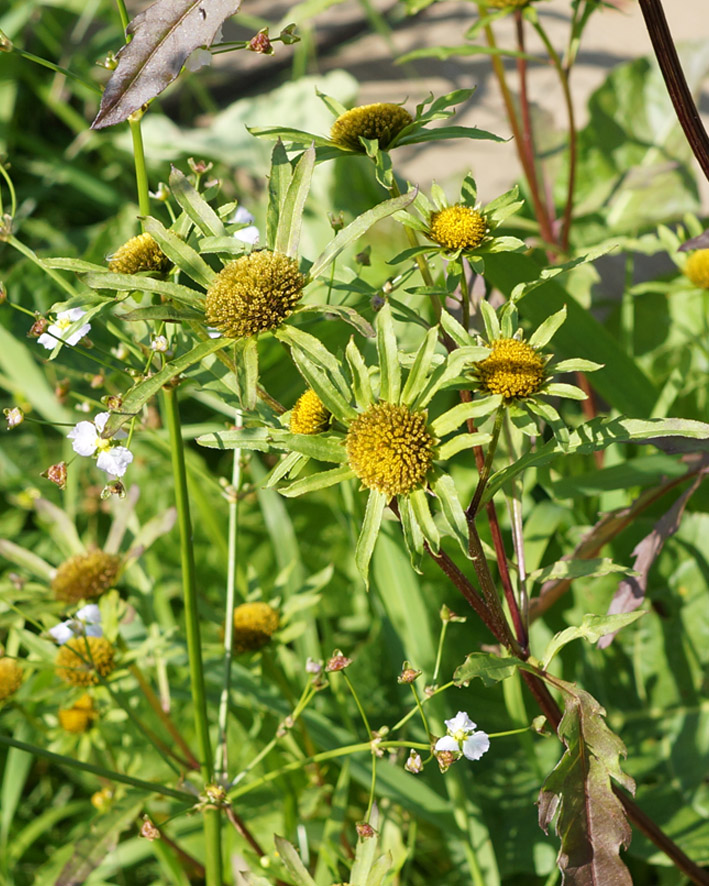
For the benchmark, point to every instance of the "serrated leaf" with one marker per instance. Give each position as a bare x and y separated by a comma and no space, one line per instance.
139,395
292,863
486,666
357,228
571,569
592,628
290,218
163,36
591,821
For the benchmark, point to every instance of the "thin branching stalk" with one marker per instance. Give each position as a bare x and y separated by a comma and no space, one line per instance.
212,817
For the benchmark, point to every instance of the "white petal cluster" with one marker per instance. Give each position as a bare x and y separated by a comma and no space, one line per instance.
249,234
56,332
86,440
86,623
462,738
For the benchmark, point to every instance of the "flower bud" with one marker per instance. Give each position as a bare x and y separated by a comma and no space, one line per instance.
261,43
338,662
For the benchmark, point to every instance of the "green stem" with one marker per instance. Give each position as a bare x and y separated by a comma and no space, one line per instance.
233,530
123,12
212,817
465,295
141,172
11,189
58,69
407,717
439,651
50,272
363,715
420,709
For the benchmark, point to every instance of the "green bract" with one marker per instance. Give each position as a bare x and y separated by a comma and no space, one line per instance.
380,432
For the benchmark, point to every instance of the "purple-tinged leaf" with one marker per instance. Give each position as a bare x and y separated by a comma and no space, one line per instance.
631,590
699,242
590,818
164,35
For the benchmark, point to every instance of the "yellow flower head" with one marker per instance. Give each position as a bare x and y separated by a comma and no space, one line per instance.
309,415
697,268
501,4
79,717
382,121
254,293
457,227
254,625
85,576
513,370
390,448
10,677
140,253
82,659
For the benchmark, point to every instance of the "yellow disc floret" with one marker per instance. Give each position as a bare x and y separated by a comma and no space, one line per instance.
457,227
697,268
85,576
390,448
382,121
309,415
140,253
254,293
82,659
10,677
513,370
79,717
254,625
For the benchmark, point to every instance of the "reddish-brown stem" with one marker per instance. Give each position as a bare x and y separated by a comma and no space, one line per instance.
193,868
466,589
241,829
684,105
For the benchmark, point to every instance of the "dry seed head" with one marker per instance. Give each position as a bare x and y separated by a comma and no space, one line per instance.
10,677
82,659
697,268
254,625
457,227
390,448
85,576
140,253
309,415
513,370
254,293
382,121
79,717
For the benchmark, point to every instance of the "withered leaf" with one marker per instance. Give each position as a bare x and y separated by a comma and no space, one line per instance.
163,35
591,820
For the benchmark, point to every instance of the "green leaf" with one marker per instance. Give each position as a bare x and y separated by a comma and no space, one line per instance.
543,334
27,378
492,324
321,480
465,49
259,439
137,283
488,667
571,569
599,434
388,352
364,854
461,441
294,136
278,180
163,36
445,133
592,628
321,383
168,313
290,219
422,515
227,244
455,416
180,254
413,537
361,384
591,820
246,362
420,368
452,367
570,392
319,446
342,312
357,228
371,524
452,510
139,395
292,863
316,351
73,264
455,330
195,206
576,364
26,559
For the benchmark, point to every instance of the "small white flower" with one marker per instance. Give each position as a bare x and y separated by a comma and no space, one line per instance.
250,234
86,440
86,623
159,343
462,738
14,416
56,332
200,58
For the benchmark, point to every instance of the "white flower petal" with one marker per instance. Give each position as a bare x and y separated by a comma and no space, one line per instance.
93,630
73,314
62,632
447,744
242,216
90,614
101,419
84,439
76,337
115,460
461,722
248,235
47,339
475,746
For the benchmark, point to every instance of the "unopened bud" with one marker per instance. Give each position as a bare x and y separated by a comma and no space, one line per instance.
261,43
148,830
199,167
115,488
408,674
414,764
56,474
312,666
288,35
364,830
110,62
445,759
38,327
338,662
337,220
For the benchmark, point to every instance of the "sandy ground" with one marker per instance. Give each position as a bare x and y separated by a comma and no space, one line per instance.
612,37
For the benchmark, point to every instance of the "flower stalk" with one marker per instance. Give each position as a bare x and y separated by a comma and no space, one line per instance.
212,819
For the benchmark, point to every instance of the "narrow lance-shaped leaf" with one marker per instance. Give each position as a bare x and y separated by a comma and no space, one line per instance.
180,253
322,480
138,396
591,821
388,351
194,205
136,283
421,367
163,36
369,532
290,217
246,376
592,628
358,227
